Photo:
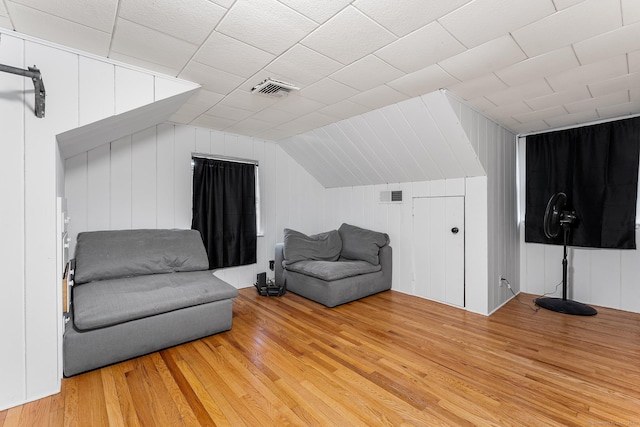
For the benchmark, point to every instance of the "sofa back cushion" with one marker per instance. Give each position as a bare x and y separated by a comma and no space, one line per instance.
318,247
361,244
104,255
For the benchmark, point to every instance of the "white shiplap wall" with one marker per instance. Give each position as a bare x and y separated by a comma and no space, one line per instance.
604,277
31,179
144,180
496,148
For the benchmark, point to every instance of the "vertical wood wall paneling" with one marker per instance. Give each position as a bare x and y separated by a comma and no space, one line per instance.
165,176
98,186
133,89
96,90
12,317
41,282
143,179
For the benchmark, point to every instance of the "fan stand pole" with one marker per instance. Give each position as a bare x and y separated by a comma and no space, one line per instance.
565,305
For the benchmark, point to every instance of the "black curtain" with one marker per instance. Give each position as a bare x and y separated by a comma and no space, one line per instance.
597,167
224,211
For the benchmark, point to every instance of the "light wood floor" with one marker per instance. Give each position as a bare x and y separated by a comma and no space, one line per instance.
390,359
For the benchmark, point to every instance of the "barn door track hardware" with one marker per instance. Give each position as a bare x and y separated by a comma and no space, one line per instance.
34,74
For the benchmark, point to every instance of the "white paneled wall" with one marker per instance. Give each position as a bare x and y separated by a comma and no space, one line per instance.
31,179
496,148
144,181
604,277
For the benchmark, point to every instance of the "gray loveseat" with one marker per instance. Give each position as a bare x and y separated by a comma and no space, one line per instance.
335,267
138,291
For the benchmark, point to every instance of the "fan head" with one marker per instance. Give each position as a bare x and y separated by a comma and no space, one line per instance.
553,215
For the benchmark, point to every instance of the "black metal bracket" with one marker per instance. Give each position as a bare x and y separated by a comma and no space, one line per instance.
34,74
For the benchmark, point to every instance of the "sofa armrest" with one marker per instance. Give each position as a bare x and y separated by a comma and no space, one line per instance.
386,261
278,269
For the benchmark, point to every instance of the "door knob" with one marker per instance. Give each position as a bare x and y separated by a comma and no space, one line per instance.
455,230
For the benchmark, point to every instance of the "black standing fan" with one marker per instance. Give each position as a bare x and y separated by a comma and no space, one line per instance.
555,219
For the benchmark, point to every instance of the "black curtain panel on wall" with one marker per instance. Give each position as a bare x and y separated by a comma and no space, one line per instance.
224,211
597,167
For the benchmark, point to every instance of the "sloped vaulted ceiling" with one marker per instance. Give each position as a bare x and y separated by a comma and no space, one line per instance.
420,139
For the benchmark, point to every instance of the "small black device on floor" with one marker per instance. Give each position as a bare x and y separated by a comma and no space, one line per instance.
268,288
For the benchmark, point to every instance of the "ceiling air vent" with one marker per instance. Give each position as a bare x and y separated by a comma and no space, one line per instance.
391,196
273,88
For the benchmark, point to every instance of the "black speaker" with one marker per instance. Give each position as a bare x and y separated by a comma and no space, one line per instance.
262,280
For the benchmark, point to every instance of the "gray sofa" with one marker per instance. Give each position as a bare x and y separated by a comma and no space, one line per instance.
138,291
335,267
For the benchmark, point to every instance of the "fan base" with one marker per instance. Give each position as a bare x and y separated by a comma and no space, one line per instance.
566,306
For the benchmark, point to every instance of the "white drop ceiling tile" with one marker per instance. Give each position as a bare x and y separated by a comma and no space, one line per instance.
572,119
403,17
379,97
299,105
563,4
486,58
188,112
249,127
306,123
478,87
224,3
499,17
319,11
366,73
590,73
328,91
141,42
5,22
543,65
231,55
272,134
630,11
191,21
572,94
210,78
204,97
481,104
579,22
301,65
228,112
423,81
614,85
599,102
420,49
250,101
49,27
274,116
212,122
348,36
97,14
506,111
344,109
616,42
513,94
531,127
147,65
629,108
266,24
540,114
3,10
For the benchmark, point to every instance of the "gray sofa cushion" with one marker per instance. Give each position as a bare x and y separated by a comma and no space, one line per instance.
333,270
361,244
104,255
320,247
107,303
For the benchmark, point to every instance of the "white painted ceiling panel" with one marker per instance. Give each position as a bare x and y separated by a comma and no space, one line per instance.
403,18
190,21
580,22
330,39
501,17
420,49
493,54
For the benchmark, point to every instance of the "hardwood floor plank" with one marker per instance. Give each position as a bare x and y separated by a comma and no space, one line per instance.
389,359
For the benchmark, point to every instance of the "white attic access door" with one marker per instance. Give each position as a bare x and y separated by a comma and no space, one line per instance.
438,233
